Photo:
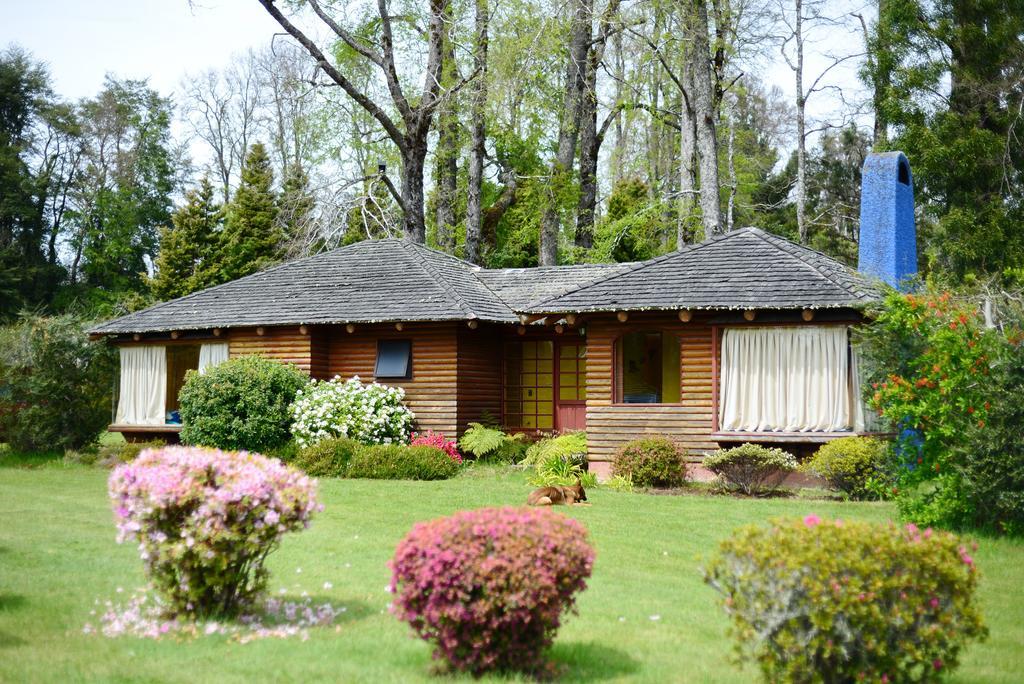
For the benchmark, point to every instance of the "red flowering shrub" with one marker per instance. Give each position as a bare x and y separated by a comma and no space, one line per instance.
438,441
488,587
828,601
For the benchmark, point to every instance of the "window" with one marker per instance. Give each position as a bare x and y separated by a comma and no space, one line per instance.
180,359
530,385
394,360
647,368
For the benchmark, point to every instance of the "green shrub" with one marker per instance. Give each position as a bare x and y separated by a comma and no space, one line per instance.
572,446
822,601
110,455
751,468
327,458
398,462
55,385
651,462
849,465
286,453
489,444
243,404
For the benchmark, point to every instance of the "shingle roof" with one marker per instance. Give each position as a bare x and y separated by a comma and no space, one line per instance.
370,281
396,280
743,269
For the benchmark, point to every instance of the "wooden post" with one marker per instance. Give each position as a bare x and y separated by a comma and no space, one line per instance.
559,328
399,326
175,334
749,314
685,315
623,316
521,330
216,332
260,330
807,314
303,330
570,319
472,323
136,337
350,328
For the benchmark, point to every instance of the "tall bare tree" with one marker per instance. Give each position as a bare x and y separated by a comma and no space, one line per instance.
478,133
705,115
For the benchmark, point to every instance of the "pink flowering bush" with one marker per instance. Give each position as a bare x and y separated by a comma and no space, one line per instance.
438,441
205,521
488,587
815,600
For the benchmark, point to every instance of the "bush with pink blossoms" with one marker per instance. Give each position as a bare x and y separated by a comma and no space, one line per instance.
816,600
488,587
205,521
438,441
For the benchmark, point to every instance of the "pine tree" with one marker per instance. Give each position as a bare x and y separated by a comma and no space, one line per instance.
252,239
187,260
295,205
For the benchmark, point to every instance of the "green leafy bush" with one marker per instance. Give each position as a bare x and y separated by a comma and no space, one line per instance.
849,465
572,446
399,462
327,458
651,462
370,414
55,385
286,453
751,468
488,443
242,404
110,455
833,601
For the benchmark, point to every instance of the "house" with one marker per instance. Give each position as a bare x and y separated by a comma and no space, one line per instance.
743,337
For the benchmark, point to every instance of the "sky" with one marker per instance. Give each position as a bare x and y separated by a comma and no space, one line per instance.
163,40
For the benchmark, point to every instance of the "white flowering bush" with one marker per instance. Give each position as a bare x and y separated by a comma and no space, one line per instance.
205,521
371,414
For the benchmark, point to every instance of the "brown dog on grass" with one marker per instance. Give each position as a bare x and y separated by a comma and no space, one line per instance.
557,496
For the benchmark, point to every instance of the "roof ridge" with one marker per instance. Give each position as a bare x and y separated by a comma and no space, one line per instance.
409,247
637,266
788,245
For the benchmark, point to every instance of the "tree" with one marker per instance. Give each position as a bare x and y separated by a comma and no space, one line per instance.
416,114
252,238
295,214
478,134
187,249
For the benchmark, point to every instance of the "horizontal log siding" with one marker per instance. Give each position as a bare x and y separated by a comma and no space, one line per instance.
480,374
432,392
611,425
284,344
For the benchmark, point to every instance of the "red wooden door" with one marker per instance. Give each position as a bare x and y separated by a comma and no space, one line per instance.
571,386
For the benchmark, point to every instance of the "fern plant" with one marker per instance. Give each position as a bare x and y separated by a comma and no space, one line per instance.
480,440
571,446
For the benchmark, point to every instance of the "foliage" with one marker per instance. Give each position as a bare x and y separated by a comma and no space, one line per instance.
243,403
54,384
834,601
111,455
205,521
252,238
571,446
327,458
371,414
491,444
438,441
930,368
188,249
620,483
849,464
751,468
400,462
560,471
651,462
487,588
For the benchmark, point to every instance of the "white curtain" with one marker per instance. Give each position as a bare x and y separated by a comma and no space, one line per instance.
212,354
863,418
785,378
143,386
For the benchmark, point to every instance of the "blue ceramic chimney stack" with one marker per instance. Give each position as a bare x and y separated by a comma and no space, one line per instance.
888,238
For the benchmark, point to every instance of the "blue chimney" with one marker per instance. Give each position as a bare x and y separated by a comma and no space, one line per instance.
888,239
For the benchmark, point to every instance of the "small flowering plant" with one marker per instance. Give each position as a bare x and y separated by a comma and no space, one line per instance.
833,601
438,441
488,587
205,521
371,414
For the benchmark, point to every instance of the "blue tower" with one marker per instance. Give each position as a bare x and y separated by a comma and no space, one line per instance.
888,238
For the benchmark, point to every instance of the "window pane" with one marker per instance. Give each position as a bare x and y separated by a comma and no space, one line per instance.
394,359
545,350
648,370
567,393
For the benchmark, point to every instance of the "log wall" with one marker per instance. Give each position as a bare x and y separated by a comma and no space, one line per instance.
480,374
432,391
284,344
610,425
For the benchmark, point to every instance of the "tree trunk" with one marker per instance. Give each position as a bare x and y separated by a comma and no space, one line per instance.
568,133
446,156
474,213
412,191
801,125
685,222
704,112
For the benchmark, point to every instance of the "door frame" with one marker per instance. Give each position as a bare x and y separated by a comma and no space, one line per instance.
558,401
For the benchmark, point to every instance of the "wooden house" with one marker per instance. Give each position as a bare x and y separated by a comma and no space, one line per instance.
743,337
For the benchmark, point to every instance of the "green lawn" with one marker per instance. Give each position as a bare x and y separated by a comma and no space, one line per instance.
58,555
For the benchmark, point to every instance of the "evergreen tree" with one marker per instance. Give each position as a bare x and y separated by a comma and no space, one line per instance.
252,238
295,207
188,259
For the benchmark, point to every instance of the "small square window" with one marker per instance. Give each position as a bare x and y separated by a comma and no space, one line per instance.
394,360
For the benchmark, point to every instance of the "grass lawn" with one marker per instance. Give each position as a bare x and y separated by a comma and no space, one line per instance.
58,555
